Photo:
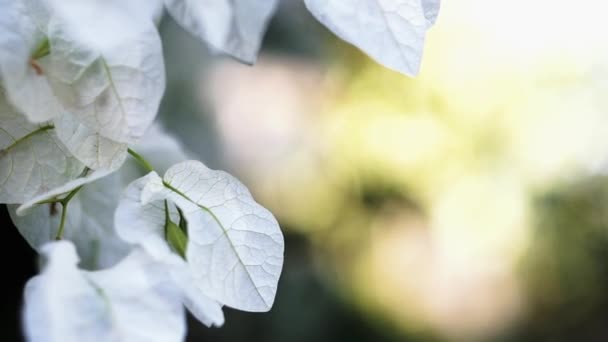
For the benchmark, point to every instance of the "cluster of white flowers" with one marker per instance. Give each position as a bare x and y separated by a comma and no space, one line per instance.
81,83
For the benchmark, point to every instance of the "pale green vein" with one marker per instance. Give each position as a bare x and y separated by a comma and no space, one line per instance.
216,219
106,68
25,137
148,167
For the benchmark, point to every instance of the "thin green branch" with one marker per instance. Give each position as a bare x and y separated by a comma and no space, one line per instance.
72,193
144,163
64,210
69,195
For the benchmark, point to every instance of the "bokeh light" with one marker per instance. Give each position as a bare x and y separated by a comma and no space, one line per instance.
453,206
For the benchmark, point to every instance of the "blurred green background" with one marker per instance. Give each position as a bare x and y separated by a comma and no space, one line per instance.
467,204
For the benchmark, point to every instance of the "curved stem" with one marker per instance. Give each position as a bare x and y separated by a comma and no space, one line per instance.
64,210
72,193
141,160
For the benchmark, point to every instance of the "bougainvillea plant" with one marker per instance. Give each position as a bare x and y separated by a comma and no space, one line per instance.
125,248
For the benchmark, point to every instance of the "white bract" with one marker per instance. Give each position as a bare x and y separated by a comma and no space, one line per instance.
89,225
390,31
100,24
20,35
32,159
106,69
144,224
235,246
91,148
129,302
115,91
87,177
232,27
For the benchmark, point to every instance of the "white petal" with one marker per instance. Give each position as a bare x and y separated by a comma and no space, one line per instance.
60,304
235,246
32,161
89,224
152,9
143,299
97,241
98,24
206,310
114,91
232,27
129,302
20,33
143,224
390,31
63,189
92,149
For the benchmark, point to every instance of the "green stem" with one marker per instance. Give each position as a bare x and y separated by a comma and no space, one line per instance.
175,235
72,193
64,210
141,160
27,136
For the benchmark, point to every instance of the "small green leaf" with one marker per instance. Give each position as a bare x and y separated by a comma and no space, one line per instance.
174,234
43,49
183,223
176,238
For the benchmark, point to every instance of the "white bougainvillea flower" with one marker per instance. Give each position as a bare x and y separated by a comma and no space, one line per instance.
232,27
100,96
87,177
390,31
32,159
92,149
114,90
235,247
89,223
99,24
144,224
105,66
132,301
21,34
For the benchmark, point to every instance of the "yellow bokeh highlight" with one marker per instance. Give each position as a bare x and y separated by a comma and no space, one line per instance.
418,192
